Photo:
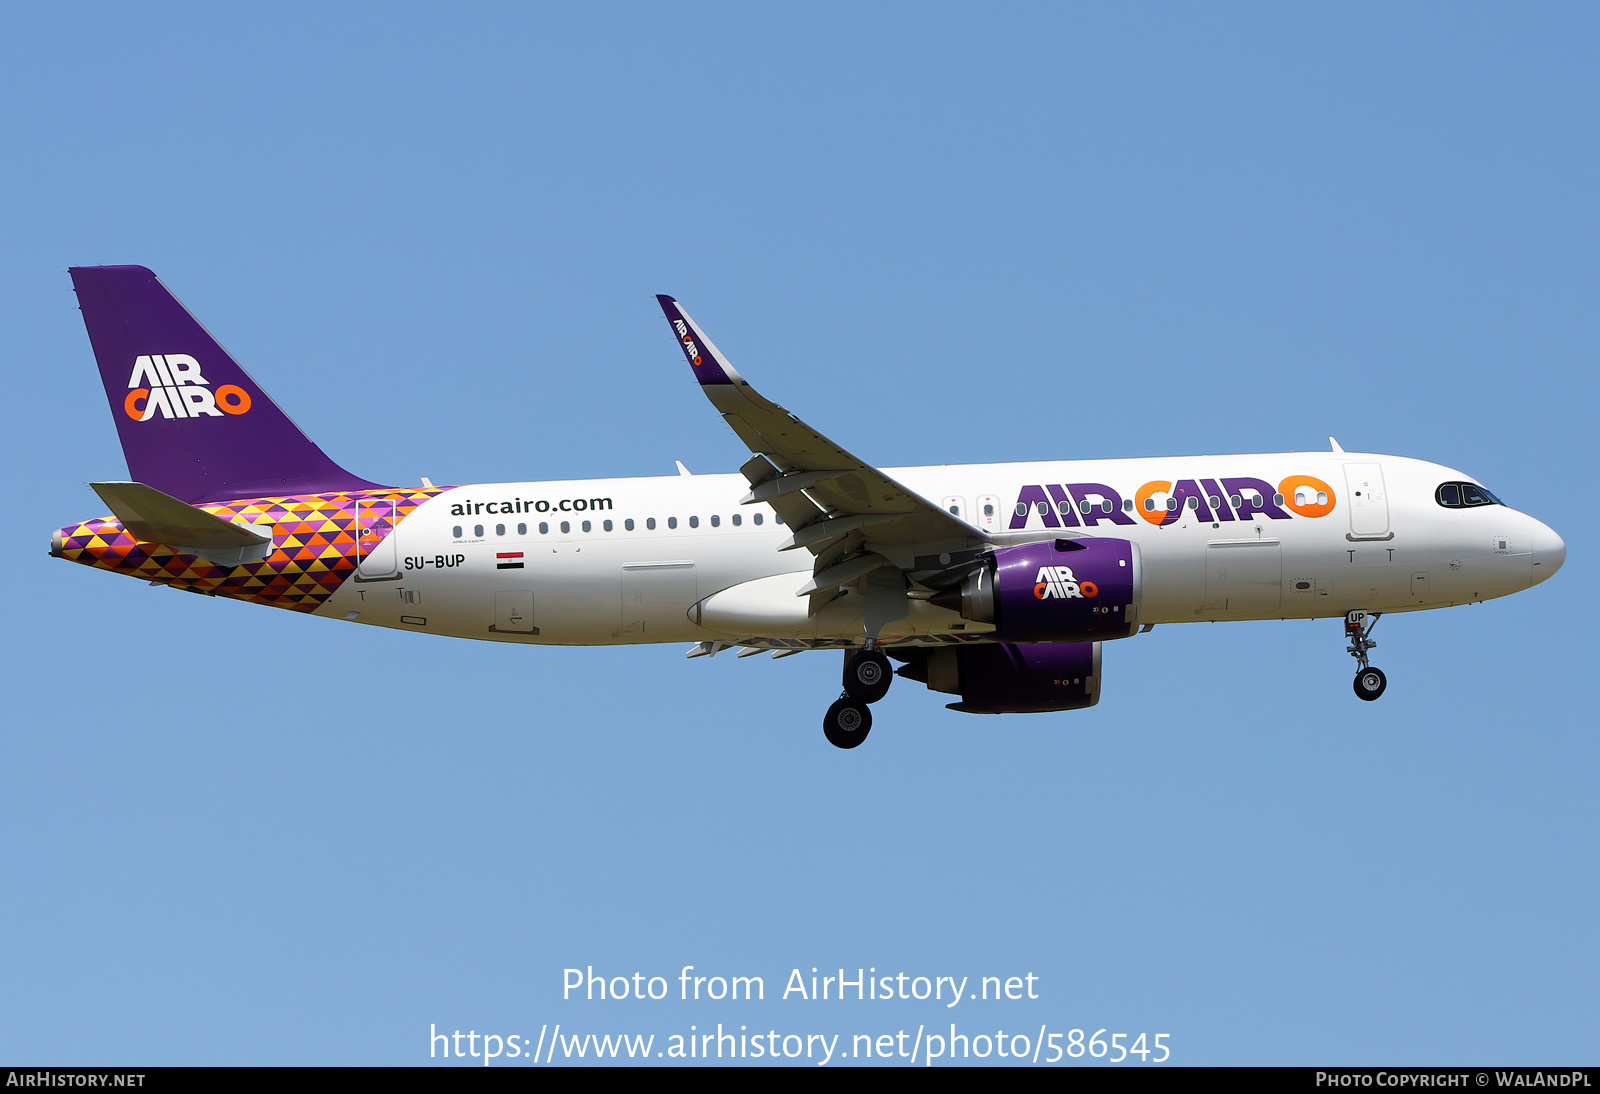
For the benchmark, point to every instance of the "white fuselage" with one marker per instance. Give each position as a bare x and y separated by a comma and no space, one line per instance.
673,542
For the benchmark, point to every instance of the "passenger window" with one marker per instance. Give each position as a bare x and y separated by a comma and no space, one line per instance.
1216,502
1149,505
650,524
672,522
499,529
1127,505
1043,507
694,522
522,529
737,520
1106,507
1277,499
456,531
1193,502
1233,500
628,524
607,526
1064,507
566,527
544,528
477,529
988,510
587,526
716,521
1022,508
758,518
777,518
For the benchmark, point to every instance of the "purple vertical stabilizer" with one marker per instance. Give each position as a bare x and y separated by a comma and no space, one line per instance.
193,423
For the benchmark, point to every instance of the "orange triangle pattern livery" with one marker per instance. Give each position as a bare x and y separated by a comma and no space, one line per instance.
314,547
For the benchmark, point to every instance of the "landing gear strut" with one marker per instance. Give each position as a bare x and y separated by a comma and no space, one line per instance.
1369,682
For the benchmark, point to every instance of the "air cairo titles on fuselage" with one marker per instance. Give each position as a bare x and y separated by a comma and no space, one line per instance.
1161,502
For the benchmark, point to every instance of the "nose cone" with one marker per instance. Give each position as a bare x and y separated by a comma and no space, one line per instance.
1549,552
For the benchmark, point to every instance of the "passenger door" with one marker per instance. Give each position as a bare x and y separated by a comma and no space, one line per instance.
377,558
1369,504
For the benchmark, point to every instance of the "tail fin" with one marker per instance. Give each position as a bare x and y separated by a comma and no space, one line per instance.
193,423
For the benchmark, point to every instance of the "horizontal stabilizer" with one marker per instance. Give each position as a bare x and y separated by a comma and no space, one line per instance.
154,517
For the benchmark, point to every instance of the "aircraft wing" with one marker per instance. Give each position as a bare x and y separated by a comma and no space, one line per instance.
839,507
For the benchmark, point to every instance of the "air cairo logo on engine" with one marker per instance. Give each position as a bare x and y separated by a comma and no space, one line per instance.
1057,582
169,385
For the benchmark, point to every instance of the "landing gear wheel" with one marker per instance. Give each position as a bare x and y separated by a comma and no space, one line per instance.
1370,683
867,676
847,723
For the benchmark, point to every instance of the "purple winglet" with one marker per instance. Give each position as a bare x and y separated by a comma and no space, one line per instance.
193,423
709,366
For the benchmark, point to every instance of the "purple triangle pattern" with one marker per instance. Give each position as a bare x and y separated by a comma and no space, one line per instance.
318,540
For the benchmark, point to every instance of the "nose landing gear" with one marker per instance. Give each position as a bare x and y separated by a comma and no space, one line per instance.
867,676
1369,682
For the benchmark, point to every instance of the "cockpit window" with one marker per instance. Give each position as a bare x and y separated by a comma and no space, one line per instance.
1464,495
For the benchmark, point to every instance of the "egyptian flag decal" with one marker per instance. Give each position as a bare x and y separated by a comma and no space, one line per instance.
508,560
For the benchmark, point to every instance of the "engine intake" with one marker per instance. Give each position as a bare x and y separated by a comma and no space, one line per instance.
1069,590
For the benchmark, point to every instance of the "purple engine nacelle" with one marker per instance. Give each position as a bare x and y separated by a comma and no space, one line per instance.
1066,590
1006,678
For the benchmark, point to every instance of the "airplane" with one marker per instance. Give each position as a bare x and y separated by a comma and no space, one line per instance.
995,583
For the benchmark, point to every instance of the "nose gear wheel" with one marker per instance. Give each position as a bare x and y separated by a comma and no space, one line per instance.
1369,682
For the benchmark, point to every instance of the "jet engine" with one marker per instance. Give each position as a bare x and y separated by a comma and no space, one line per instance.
1007,678
1068,590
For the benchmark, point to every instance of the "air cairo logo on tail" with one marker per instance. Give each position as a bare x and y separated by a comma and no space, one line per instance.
169,385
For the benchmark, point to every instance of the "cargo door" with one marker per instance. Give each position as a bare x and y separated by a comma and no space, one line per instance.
513,613
1244,578
656,597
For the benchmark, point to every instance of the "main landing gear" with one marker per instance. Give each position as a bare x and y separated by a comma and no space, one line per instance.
867,676
1369,682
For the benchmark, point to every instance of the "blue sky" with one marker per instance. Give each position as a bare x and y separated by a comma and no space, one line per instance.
940,234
